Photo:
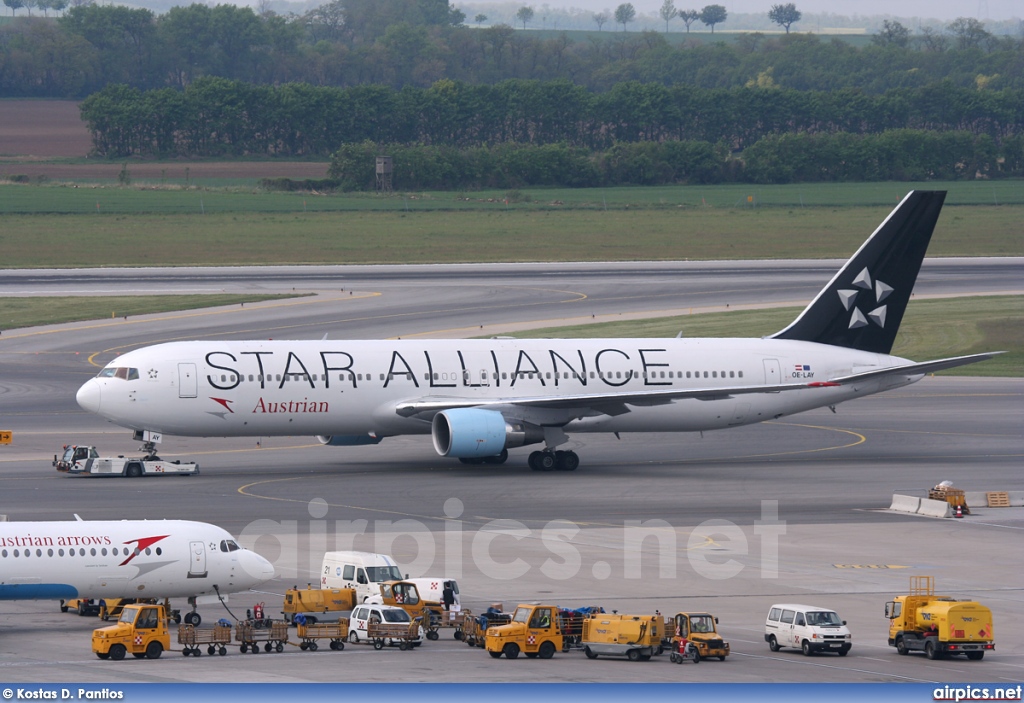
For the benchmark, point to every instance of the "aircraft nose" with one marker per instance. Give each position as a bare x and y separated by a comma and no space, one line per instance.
256,567
88,396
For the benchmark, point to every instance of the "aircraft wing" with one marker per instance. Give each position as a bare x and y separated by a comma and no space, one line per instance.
610,403
915,369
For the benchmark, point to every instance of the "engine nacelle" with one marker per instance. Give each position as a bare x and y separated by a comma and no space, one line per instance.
348,440
474,433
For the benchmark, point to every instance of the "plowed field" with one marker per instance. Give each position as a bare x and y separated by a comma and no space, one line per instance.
35,132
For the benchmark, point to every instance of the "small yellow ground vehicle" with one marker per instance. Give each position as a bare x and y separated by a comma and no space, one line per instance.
534,630
637,637
700,630
938,625
141,631
405,595
111,608
311,602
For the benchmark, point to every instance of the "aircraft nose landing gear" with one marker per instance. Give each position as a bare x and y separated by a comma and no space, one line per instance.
550,461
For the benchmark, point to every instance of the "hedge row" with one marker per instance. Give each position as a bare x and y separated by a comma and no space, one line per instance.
893,155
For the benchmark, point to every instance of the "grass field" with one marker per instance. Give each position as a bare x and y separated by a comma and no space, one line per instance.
73,227
477,236
931,329
30,312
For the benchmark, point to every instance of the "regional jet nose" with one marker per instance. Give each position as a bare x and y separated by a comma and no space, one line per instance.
88,396
255,566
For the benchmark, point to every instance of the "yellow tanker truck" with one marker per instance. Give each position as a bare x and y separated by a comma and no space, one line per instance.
939,626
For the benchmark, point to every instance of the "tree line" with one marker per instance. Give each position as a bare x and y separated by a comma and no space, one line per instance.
218,117
893,155
400,43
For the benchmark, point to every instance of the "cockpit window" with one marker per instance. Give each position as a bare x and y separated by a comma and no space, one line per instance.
123,372
229,545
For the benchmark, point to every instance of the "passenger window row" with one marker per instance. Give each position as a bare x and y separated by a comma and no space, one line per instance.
80,551
485,375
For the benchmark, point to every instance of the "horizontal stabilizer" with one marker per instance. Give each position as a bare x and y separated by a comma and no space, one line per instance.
916,369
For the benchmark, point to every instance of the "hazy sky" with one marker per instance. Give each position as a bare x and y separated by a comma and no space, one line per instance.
939,9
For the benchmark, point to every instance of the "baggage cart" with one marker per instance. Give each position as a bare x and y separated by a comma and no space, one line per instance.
456,620
309,633
474,629
216,640
249,635
382,633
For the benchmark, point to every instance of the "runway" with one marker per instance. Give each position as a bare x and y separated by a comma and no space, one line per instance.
730,522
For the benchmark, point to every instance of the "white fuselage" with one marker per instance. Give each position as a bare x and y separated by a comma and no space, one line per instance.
123,559
265,388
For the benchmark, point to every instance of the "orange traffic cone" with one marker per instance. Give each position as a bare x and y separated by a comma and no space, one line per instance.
959,512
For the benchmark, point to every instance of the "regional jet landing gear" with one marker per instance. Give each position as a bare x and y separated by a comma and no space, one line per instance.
548,460
192,618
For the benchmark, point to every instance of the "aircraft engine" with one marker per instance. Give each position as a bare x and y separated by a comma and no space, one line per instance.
349,440
473,432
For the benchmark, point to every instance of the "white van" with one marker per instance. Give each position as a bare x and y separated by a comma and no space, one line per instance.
808,628
433,589
362,571
363,615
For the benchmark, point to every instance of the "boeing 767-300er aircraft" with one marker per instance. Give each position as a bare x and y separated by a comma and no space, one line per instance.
125,559
479,398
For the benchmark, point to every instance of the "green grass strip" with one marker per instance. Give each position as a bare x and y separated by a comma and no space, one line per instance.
499,235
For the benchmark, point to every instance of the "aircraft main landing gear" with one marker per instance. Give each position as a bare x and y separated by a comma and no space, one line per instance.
551,461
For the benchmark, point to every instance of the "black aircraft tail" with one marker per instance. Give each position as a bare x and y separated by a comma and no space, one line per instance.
863,305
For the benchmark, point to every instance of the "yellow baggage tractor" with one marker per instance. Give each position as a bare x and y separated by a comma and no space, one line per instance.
249,635
310,632
405,595
700,629
216,639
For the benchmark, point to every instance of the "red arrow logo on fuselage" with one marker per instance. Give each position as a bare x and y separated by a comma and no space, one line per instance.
224,402
140,545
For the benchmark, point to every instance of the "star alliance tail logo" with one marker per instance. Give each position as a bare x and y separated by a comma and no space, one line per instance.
848,298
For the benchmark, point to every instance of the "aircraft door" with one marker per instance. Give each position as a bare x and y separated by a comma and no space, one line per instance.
475,378
772,372
188,385
474,370
197,560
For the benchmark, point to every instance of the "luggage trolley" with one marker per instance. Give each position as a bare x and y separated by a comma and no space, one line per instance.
216,639
380,633
249,635
309,633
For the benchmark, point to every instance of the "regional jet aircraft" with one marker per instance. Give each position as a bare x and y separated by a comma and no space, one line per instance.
479,398
125,559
